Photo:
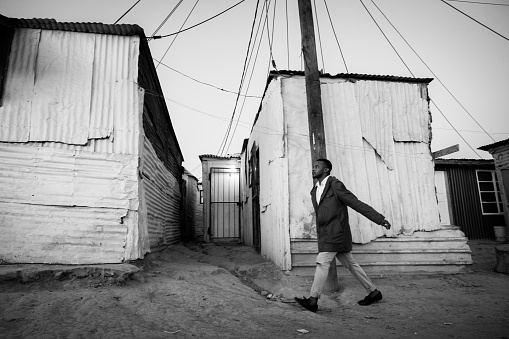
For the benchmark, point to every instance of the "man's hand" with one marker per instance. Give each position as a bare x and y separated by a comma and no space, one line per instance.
386,224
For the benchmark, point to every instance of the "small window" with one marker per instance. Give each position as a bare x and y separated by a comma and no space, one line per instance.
489,192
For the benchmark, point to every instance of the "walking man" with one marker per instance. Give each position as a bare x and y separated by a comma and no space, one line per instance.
330,200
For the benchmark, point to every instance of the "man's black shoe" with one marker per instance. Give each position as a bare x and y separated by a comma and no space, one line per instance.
374,296
305,302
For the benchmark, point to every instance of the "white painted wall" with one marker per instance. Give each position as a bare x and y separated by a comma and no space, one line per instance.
397,178
269,135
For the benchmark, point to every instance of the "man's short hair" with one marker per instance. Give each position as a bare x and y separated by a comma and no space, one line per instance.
327,163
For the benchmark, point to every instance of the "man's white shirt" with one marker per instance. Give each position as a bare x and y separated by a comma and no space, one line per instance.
319,188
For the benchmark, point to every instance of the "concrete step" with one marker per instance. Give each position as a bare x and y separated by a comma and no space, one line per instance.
441,244
442,251
393,258
392,269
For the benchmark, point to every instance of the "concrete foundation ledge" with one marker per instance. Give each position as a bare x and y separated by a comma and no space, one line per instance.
38,272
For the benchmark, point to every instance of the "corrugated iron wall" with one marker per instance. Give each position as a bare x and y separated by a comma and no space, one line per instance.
467,206
159,200
192,227
52,73
58,206
157,124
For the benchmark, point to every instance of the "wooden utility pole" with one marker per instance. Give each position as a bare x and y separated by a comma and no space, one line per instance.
313,92
314,105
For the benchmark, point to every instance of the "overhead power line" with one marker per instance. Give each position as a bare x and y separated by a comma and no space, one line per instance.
337,41
386,38
225,139
265,130
480,3
204,83
198,24
123,15
413,74
175,38
480,23
266,5
457,132
429,69
287,38
319,35
167,17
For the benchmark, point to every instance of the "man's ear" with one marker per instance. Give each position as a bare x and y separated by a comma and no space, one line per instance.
326,170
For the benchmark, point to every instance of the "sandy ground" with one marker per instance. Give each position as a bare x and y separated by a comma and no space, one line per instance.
218,291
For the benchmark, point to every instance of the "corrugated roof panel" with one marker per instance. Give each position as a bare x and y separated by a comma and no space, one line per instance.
353,76
19,87
82,27
63,84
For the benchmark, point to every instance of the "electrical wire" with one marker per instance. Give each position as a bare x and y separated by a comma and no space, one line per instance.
319,36
429,69
475,20
273,132
266,5
123,15
223,143
480,3
268,31
192,9
457,132
166,19
287,38
198,24
204,83
335,35
386,38
467,130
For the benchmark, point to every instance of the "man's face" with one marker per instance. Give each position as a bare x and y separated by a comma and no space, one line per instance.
319,170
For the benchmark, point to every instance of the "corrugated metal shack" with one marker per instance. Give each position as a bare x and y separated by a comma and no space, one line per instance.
464,182
90,166
378,133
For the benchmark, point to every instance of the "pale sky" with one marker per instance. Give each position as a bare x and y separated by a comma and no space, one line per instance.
469,59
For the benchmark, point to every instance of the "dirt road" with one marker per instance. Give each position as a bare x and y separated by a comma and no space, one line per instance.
213,291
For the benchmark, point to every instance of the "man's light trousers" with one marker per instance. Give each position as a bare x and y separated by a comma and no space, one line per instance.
323,261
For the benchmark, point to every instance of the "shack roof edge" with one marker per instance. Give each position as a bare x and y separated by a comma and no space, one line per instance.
80,27
355,76
494,145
